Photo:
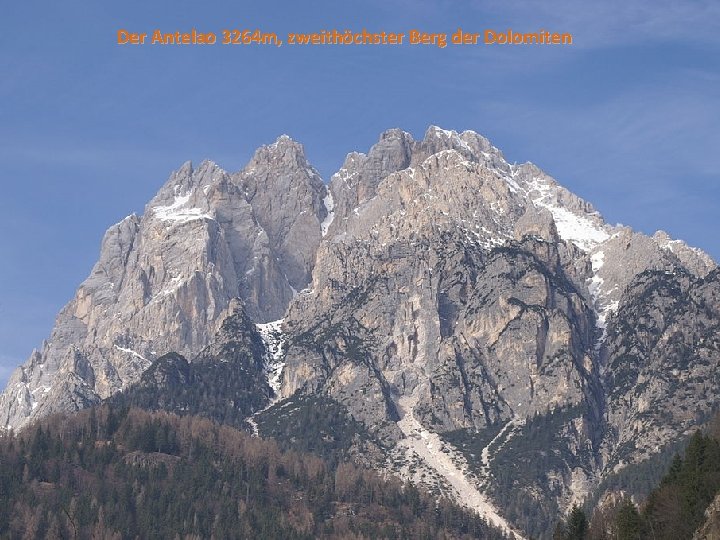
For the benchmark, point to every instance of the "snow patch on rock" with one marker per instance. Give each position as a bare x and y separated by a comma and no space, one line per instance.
500,440
274,340
330,208
582,231
134,353
600,295
178,212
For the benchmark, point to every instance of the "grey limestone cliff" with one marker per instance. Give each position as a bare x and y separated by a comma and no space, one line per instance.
164,281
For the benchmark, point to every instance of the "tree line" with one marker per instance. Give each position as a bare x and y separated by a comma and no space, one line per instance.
674,509
124,473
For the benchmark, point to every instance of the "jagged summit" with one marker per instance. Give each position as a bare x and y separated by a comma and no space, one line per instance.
431,290
284,150
165,279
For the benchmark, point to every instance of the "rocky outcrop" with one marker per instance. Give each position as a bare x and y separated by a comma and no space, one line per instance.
226,381
286,195
662,352
710,529
164,281
480,293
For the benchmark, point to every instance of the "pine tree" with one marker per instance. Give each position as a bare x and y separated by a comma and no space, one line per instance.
628,523
577,524
574,528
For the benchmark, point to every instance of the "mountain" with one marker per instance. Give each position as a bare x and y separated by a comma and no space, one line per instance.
433,311
164,281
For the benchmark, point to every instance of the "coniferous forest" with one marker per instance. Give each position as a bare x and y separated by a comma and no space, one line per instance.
675,509
116,473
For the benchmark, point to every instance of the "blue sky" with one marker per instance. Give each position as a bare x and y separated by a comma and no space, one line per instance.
627,117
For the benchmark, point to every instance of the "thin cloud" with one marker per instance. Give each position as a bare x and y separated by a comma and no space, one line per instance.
644,157
615,22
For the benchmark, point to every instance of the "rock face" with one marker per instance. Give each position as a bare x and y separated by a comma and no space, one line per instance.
661,352
286,195
226,381
164,281
434,291
710,529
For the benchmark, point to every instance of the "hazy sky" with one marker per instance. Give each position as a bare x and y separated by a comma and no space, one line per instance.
627,117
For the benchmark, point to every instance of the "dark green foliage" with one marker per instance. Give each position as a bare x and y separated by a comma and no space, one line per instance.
628,523
127,473
311,423
638,479
227,389
577,525
471,443
574,528
679,503
675,509
521,470
226,383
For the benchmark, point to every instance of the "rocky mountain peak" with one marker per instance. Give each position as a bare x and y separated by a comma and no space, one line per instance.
186,181
469,144
287,197
696,260
284,152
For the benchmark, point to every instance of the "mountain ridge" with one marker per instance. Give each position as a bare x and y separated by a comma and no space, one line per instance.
429,287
